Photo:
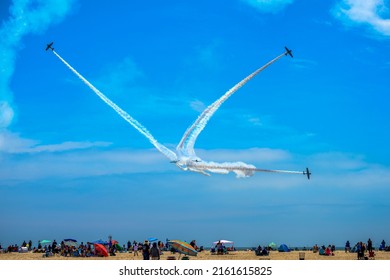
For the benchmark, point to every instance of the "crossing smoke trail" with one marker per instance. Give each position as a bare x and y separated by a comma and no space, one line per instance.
186,158
164,150
186,145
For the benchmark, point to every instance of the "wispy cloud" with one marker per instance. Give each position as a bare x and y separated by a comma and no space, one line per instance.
372,13
332,169
269,6
80,164
26,17
12,143
197,105
304,63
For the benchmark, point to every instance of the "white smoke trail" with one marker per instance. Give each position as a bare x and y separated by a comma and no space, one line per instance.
186,145
240,168
164,150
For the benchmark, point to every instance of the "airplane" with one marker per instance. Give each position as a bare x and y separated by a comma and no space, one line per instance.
307,173
288,52
49,46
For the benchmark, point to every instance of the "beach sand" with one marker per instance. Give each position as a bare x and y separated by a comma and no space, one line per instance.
206,255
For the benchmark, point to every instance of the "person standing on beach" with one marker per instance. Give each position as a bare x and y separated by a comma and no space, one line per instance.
383,245
369,245
146,250
347,247
135,249
128,246
155,252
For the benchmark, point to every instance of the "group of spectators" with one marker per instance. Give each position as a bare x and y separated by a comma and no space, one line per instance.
324,251
361,248
85,250
16,247
262,251
220,248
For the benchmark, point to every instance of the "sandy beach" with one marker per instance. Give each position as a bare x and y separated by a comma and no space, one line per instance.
206,255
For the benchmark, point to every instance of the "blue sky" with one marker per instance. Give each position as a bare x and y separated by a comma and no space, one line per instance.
72,168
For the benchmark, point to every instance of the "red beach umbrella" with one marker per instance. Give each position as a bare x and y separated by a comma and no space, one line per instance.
100,250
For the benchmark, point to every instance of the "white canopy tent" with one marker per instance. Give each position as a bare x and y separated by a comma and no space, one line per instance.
224,242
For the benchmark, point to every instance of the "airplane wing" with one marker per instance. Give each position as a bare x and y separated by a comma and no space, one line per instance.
186,145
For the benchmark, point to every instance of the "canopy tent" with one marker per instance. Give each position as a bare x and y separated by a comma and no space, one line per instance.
224,242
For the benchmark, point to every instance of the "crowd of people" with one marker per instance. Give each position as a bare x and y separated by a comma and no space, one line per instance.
363,250
149,250
324,251
153,250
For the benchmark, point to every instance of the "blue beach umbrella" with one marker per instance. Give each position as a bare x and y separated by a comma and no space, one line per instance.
100,241
152,239
70,239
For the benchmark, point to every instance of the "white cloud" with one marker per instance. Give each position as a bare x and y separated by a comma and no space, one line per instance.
27,161
269,6
80,164
369,12
304,63
12,143
6,114
26,17
254,120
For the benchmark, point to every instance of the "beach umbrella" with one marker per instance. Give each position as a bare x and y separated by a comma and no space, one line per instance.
99,242
152,239
100,250
70,242
70,239
45,242
273,246
183,247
